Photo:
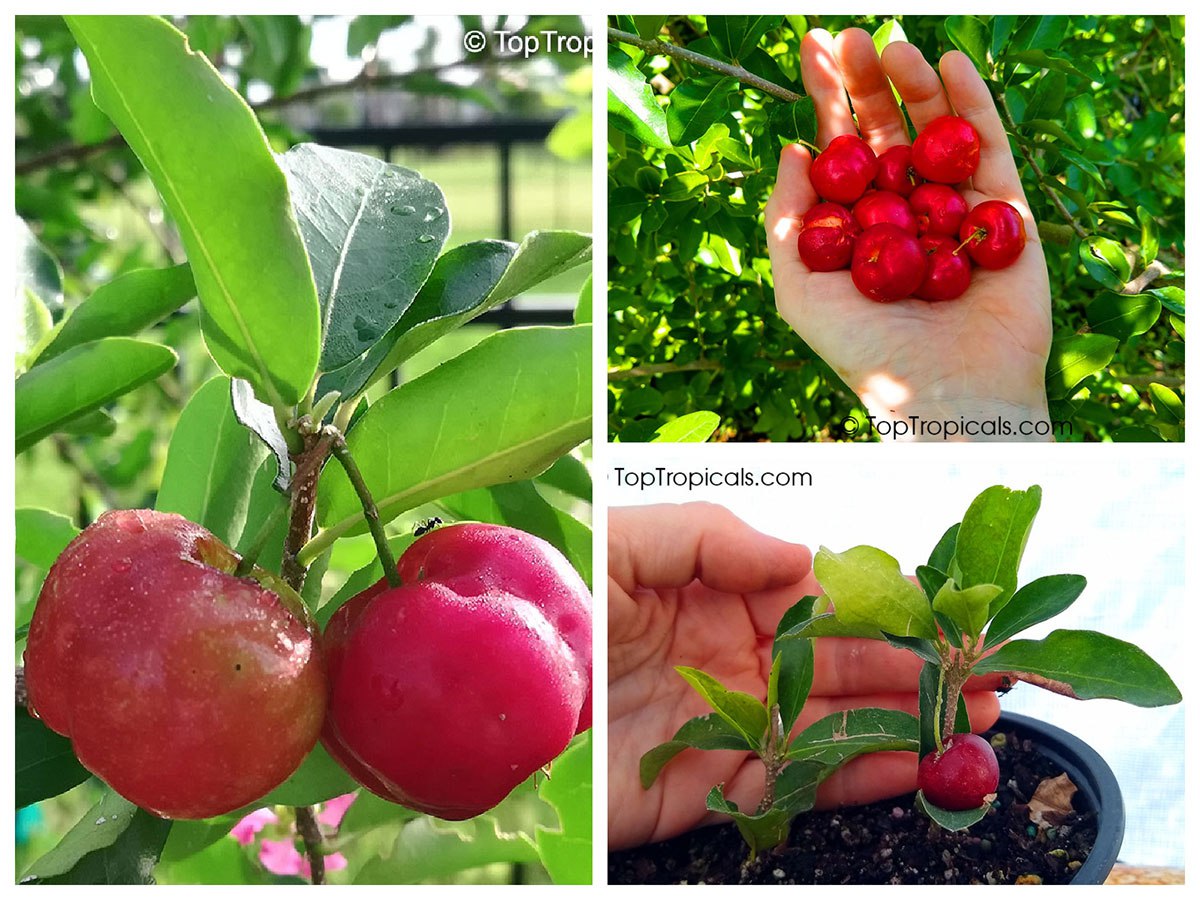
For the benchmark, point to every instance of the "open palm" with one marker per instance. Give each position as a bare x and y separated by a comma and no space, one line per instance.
977,357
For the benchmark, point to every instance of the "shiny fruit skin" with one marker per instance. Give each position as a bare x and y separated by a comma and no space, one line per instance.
189,691
888,263
994,233
896,171
885,207
948,273
844,170
962,775
826,239
449,691
947,150
939,209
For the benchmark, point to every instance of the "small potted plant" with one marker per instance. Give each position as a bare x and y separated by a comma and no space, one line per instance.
961,618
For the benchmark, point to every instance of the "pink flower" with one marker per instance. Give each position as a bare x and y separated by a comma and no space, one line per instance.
282,858
333,862
245,830
333,810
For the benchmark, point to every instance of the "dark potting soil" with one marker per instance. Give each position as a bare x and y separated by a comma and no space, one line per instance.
886,843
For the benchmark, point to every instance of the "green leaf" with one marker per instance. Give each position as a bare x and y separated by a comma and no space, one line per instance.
869,591
696,105
649,26
737,36
317,779
46,764
1105,261
42,535
566,851
1074,358
920,646
361,580
373,232
583,309
795,121
210,161
693,428
745,713
124,306
114,843
1167,404
1041,599
211,463
966,608
82,379
710,732
991,540
952,820
632,107
1122,316
840,737
971,36
828,625
931,580
38,272
943,552
795,664
1086,665
502,411
1148,246
1172,298
570,475
760,831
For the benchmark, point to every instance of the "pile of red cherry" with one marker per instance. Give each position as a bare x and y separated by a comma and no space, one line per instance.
897,223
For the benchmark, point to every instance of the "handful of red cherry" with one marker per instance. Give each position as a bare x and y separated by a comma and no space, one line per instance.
897,223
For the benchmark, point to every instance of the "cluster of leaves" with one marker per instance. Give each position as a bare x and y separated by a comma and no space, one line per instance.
317,272
1094,110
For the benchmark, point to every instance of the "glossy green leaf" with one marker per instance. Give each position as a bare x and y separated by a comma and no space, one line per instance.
1148,246
113,843
583,309
697,104
868,590
737,36
632,107
744,713
1086,665
429,849
1167,404
210,161
828,625
966,608
317,779
931,580
1074,358
1122,316
760,831
37,272
794,662
1171,297
1105,261
373,232
45,763
795,121
991,540
1041,599
42,535
709,732
570,475
502,411
566,851
970,35
82,379
693,428
840,737
211,463
952,820
649,26
124,306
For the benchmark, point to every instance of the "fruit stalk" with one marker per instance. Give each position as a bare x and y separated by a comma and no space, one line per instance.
342,453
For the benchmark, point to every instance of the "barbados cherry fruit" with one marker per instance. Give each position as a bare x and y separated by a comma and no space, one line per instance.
826,238
939,209
190,691
946,150
844,170
896,171
962,775
888,263
880,207
450,690
947,270
994,234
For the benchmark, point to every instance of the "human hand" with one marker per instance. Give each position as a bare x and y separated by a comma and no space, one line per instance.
694,585
979,357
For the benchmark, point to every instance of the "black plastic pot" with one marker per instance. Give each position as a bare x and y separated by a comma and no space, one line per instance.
1095,780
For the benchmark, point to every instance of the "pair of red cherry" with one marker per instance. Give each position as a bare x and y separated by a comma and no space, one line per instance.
897,223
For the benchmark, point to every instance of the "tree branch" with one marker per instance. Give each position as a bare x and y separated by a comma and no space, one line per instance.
659,48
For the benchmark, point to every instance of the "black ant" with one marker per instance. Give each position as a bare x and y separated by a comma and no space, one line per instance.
425,526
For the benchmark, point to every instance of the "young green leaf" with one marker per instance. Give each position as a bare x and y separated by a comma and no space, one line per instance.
931,580
210,161
745,713
840,737
632,107
566,850
42,535
828,625
696,104
45,762
943,552
710,732
1086,665
795,660
1041,599
869,591
760,831
693,428
966,608
991,540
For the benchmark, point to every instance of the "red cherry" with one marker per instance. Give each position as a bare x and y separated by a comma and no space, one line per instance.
878,207
888,263
939,209
948,271
826,238
994,234
947,150
896,172
962,775
844,170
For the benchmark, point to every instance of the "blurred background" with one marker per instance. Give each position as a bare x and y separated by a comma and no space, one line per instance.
506,137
